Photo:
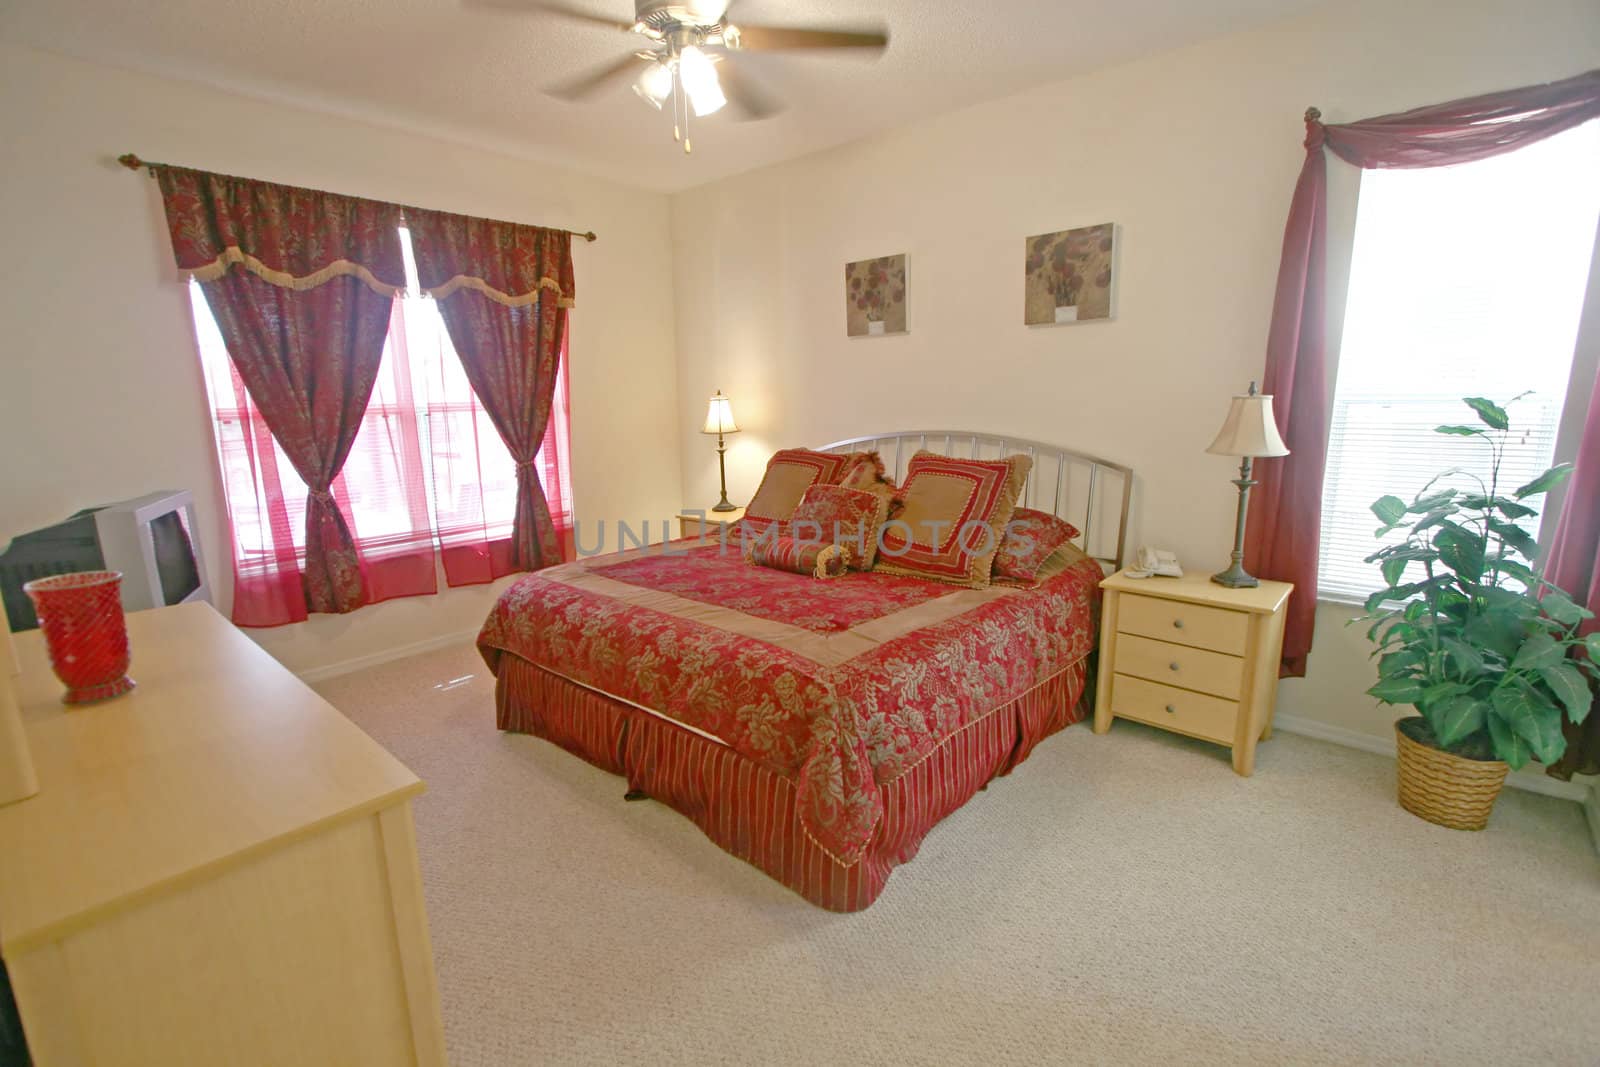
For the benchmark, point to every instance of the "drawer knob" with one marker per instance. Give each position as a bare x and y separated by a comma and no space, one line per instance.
1174,666
1171,710
1177,624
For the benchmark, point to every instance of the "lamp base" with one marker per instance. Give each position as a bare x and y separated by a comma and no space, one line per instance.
724,505
1235,577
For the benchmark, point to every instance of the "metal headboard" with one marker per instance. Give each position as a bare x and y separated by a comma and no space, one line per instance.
1077,481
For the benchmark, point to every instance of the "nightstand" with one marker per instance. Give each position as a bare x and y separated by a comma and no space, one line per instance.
692,523
1191,656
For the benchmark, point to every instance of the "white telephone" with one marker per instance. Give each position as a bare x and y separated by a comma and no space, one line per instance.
1155,561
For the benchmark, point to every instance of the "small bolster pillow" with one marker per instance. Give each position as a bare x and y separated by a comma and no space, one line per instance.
801,557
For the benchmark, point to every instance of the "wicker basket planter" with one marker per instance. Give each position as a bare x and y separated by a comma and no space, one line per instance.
1443,788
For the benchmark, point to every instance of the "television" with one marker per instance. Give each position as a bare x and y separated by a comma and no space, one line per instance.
151,539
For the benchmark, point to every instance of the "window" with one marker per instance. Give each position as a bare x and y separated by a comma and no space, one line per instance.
427,471
1465,281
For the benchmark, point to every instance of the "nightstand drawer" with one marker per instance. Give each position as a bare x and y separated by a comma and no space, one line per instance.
1170,664
1172,708
1218,629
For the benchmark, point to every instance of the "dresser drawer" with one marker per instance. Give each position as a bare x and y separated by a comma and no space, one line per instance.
1191,668
1171,708
1217,629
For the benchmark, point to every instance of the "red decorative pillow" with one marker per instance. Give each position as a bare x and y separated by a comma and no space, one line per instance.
798,557
837,515
953,517
1031,536
789,474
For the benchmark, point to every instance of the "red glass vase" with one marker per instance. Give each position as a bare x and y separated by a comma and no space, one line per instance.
85,632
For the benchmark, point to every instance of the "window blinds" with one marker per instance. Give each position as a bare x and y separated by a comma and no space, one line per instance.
1465,281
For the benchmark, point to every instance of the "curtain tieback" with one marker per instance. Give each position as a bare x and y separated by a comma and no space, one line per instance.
324,495
527,464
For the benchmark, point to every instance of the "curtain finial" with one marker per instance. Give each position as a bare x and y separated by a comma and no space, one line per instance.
1313,115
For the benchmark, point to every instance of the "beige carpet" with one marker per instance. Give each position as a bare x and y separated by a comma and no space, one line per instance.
1118,899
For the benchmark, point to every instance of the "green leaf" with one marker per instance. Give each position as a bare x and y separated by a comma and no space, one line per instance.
1516,537
1468,659
1393,569
1491,413
1434,518
1398,663
1507,745
1498,631
1434,695
1458,718
1461,551
1513,510
1560,607
1460,431
1409,552
1536,653
1398,631
1397,691
1520,571
1546,481
1533,717
1396,592
1592,645
1431,501
1571,688
1389,509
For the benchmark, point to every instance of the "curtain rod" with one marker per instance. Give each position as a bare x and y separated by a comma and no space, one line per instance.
133,162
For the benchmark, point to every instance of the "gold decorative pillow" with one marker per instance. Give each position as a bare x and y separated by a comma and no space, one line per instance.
952,518
790,473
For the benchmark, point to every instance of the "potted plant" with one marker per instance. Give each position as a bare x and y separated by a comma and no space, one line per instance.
1470,634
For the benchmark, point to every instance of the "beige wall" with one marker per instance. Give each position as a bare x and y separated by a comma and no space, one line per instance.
102,395
1193,154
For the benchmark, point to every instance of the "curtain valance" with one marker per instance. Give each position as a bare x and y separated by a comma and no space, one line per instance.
1464,131
290,237
510,263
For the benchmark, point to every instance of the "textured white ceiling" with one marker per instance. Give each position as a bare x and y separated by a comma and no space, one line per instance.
473,74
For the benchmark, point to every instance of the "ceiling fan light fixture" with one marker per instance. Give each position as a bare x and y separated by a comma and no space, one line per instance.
699,76
654,84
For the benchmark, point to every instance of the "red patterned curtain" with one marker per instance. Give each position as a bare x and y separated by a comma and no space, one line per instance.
301,284
1285,526
504,291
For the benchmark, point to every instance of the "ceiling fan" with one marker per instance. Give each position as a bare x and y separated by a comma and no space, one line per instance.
688,51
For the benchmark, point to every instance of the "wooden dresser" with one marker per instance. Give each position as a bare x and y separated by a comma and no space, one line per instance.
219,868
1192,656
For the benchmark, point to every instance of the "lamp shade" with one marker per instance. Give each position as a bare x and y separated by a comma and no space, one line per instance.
719,416
1249,429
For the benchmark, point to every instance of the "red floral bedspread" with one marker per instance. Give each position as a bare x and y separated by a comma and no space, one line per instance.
842,684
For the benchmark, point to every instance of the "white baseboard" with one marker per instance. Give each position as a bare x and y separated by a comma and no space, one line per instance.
333,670
1591,809
1534,781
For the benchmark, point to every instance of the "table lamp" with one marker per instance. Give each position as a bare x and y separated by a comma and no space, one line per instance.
1249,431
719,420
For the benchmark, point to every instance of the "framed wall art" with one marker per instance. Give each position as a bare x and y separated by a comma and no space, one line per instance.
875,296
1069,275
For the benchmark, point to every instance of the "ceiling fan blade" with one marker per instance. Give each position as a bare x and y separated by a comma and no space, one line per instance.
528,7
585,84
746,93
777,39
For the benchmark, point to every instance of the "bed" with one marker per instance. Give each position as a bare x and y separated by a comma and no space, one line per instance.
816,729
